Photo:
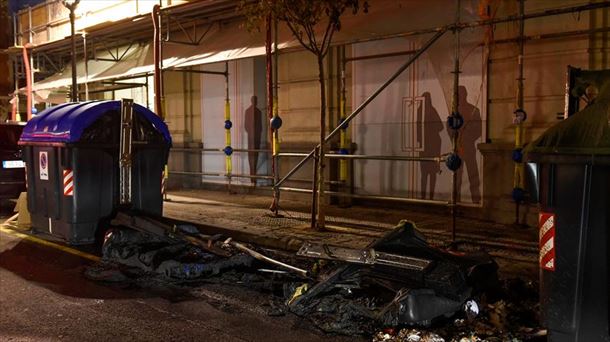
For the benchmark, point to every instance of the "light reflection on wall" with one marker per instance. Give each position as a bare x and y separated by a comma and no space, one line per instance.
50,20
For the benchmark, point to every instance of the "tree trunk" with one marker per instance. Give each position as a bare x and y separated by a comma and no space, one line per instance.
321,161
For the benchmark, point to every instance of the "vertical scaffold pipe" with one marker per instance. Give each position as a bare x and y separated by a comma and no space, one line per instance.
343,138
15,114
277,121
28,82
271,110
161,81
158,107
228,150
15,101
74,96
456,122
14,105
520,116
274,78
86,60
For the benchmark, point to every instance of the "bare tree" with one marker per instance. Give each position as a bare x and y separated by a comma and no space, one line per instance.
313,23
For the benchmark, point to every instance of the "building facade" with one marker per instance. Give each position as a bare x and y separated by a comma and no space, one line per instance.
208,57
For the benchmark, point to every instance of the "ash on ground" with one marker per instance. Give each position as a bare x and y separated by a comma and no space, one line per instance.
510,315
399,289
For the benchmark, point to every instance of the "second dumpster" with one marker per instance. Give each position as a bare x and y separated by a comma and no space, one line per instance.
87,160
571,167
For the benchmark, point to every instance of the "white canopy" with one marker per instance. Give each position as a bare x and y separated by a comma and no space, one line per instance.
230,41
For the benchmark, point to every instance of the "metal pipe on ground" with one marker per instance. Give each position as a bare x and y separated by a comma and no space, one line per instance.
265,258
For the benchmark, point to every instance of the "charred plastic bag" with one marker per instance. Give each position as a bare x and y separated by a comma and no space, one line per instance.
357,296
73,161
570,164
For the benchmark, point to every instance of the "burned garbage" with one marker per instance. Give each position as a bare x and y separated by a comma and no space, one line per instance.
398,281
510,314
173,252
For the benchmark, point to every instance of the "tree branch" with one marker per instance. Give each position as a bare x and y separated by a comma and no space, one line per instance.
328,34
299,36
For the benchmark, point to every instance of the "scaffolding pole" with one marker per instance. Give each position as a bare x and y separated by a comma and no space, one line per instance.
455,104
156,16
276,132
518,183
228,125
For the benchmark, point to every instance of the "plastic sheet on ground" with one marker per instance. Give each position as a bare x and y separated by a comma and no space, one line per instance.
156,255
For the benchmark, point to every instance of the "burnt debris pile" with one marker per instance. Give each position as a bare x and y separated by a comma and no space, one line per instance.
399,281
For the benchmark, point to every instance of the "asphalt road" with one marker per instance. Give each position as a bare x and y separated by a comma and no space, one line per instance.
44,296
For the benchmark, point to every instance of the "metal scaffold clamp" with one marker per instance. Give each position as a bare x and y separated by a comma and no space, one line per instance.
228,150
275,122
520,116
518,194
453,162
455,121
517,155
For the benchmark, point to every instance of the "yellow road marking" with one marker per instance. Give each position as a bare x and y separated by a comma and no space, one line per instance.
49,244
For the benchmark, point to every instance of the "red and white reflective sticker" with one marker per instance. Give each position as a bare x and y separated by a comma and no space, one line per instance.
546,231
68,182
163,180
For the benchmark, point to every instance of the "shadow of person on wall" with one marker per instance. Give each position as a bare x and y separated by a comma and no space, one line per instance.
429,128
467,148
253,125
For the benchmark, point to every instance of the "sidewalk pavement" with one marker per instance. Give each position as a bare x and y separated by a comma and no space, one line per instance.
247,217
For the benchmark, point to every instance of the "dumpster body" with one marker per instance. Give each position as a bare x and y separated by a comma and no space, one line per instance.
574,242
571,167
72,157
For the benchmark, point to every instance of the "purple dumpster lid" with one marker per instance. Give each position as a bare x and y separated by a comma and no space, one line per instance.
66,123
